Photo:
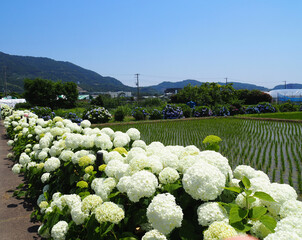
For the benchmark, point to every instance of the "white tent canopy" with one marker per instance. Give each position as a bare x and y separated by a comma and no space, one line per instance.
286,92
11,102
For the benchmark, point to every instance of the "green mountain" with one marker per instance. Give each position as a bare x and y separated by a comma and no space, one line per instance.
164,85
288,86
18,68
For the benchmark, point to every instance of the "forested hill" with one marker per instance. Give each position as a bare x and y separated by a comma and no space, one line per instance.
164,85
20,67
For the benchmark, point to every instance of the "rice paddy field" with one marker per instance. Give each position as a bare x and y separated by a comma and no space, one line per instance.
271,146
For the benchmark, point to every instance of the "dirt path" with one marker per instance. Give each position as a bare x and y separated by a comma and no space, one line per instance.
14,213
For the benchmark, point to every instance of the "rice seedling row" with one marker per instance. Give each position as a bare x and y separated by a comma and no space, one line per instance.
273,147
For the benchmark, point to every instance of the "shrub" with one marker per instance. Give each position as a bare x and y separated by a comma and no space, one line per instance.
221,110
25,105
119,114
236,108
265,107
202,111
252,110
73,117
172,112
288,107
139,113
98,115
187,111
156,114
43,112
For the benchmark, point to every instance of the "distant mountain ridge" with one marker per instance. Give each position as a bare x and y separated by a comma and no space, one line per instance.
18,68
288,86
164,85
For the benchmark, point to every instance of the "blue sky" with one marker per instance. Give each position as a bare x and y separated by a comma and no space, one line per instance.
251,41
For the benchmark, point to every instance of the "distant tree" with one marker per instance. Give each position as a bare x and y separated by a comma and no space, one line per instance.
40,92
207,94
253,96
98,101
45,93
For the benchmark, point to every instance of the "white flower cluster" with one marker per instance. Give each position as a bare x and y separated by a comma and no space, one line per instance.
219,230
203,181
154,235
211,212
140,184
164,214
59,230
109,212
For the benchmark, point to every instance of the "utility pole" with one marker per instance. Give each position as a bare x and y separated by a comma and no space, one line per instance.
285,84
137,84
226,81
5,81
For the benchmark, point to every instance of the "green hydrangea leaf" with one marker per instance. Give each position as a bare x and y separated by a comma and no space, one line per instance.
257,212
246,182
264,196
237,214
269,222
234,189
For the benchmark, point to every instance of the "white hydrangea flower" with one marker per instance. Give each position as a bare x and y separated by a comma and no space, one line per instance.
140,144
280,193
56,131
88,141
164,214
219,230
113,155
73,140
90,202
109,212
108,131
77,215
24,159
121,140
283,235
290,224
168,175
203,181
85,124
66,155
155,164
17,168
52,164
154,235
177,150
71,200
133,152
142,184
103,186
211,212
42,155
77,155
117,169
45,177
134,134
291,208
217,160
55,151
103,142
169,160
123,184
44,142
249,172
59,230
187,161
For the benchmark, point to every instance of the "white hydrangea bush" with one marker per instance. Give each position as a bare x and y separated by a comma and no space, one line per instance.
114,183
